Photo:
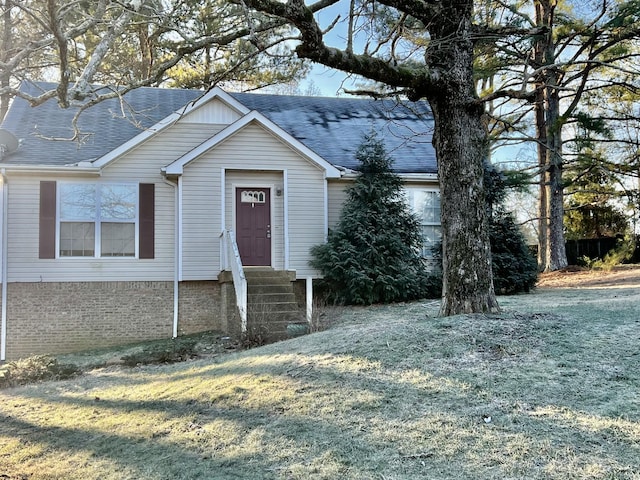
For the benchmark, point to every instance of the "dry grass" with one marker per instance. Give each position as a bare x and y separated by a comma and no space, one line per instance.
547,390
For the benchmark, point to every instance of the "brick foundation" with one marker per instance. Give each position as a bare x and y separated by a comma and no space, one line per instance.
201,307
47,318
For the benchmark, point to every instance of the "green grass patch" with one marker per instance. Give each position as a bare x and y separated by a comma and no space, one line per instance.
546,390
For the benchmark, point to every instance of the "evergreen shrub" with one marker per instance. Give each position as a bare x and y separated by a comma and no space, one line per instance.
373,254
515,269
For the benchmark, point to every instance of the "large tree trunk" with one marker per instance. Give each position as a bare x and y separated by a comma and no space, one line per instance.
556,251
551,243
543,179
461,143
460,136
467,274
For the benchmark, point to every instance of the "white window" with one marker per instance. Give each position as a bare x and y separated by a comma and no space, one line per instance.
97,220
425,204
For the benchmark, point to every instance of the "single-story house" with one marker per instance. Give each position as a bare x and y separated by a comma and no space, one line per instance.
181,211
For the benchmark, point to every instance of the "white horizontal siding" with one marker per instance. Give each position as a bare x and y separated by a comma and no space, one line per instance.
141,165
253,149
212,112
337,191
307,211
201,220
145,161
23,243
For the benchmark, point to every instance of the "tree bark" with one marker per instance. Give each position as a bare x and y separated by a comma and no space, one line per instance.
556,251
7,45
462,145
543,180
467,274
551,243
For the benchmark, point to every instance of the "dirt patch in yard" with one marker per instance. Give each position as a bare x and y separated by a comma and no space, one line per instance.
576,277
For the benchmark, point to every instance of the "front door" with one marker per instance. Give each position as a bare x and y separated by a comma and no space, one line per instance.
253,226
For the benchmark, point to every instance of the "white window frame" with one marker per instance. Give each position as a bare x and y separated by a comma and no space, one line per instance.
418,214
97,253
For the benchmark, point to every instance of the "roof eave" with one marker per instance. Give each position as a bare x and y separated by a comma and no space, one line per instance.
419,177
348,174
67,169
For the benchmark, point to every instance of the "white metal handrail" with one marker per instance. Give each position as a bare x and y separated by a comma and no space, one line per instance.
233,262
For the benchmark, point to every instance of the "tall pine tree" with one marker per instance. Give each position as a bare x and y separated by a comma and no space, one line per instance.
373,254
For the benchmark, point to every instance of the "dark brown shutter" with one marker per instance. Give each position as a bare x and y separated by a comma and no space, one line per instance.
147,220
47,220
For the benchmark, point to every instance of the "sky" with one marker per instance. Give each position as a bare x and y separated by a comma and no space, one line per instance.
330,82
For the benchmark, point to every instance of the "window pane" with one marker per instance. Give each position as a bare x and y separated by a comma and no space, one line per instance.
118,202
431,236
430,207
425,204
118,239
77,202
77,239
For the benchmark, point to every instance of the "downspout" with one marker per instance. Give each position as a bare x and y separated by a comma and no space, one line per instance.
287,246
176,256
5,256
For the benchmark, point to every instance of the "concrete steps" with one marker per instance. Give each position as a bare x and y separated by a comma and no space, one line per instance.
271,304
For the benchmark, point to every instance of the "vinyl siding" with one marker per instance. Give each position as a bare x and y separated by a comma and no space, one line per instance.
264,157
201,221
337,191
215,112
141,165
144,162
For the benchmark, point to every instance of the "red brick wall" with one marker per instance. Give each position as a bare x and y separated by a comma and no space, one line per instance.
47,318
200,307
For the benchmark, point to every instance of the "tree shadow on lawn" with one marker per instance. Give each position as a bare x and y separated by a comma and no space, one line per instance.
399,422
370,401
162,457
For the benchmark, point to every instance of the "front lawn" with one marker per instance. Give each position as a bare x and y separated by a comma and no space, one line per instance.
546,390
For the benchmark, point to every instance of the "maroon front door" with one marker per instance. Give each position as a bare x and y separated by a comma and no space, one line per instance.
253,226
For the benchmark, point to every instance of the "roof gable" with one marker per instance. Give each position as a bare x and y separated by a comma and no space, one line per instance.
177,167
197,111
330,129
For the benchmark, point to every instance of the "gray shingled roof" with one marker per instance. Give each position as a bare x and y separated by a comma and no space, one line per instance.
331,127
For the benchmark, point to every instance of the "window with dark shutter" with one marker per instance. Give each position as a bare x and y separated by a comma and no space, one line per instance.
47,219
147,220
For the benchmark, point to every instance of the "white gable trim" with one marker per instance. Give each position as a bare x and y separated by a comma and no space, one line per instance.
215,93
177,167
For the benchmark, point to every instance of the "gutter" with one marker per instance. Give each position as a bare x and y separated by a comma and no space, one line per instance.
348,174
5,256
418,177
48,169
176,259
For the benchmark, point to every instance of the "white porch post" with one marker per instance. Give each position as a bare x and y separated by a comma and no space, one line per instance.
224,261
285,181
309,290
5,256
